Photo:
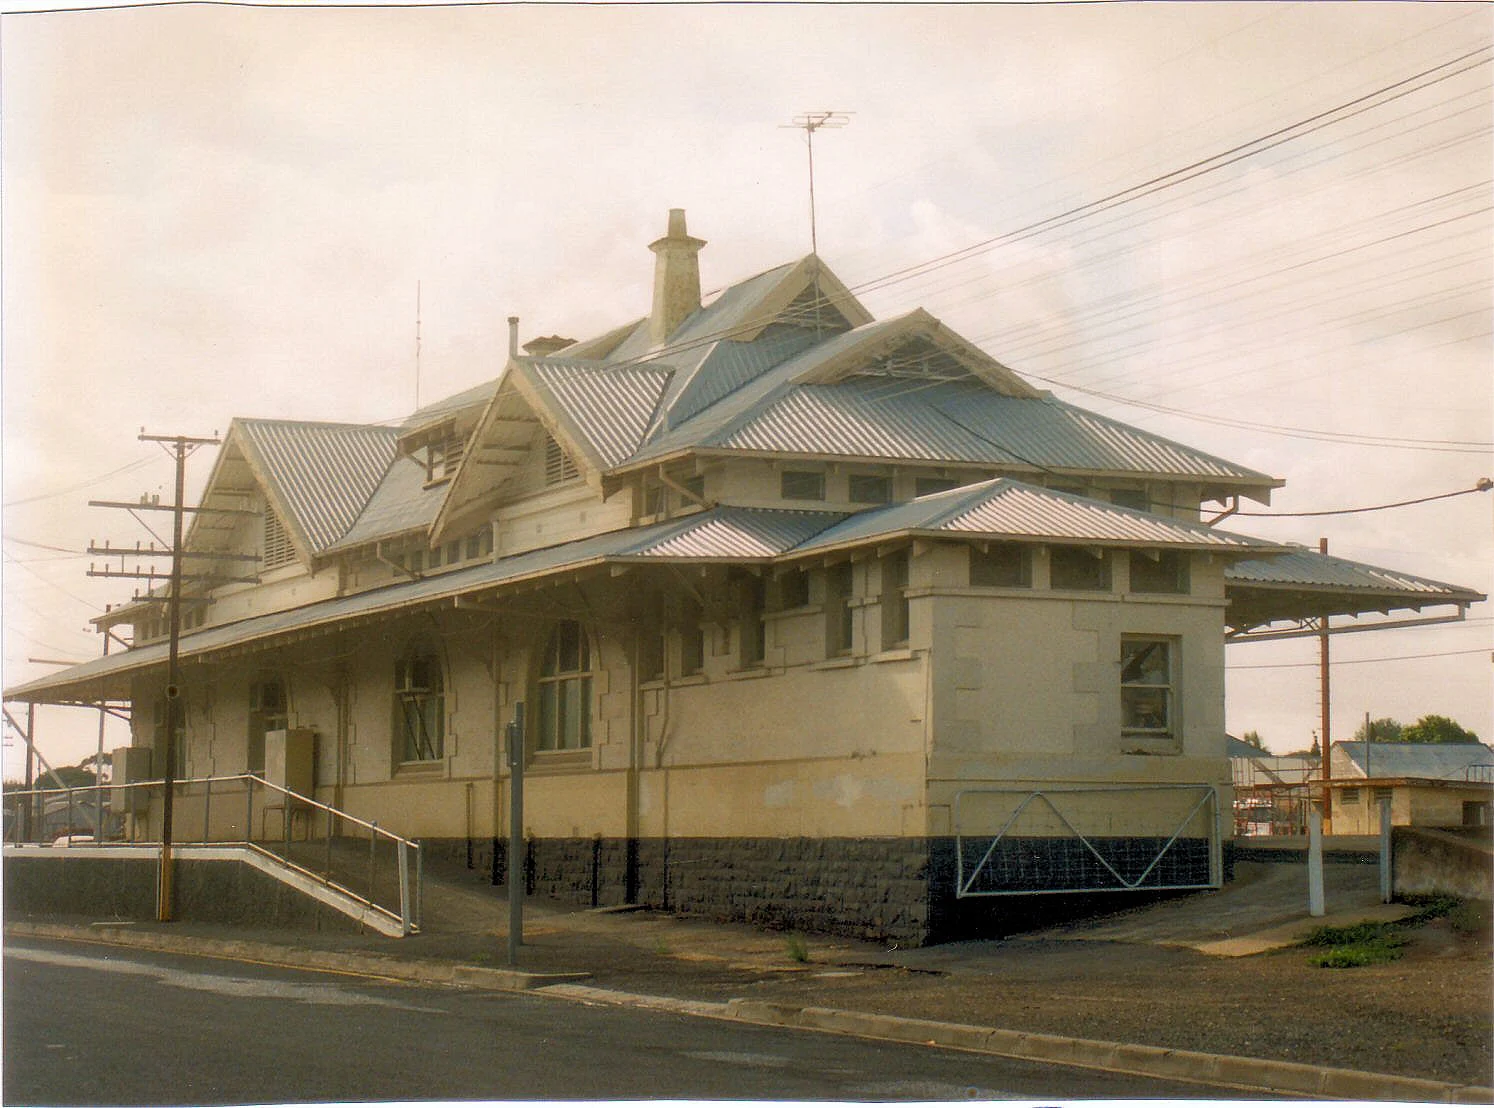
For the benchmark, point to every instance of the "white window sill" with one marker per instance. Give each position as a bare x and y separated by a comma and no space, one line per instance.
895,654
841,662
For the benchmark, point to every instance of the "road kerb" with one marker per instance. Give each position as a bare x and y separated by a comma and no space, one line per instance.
1143,1061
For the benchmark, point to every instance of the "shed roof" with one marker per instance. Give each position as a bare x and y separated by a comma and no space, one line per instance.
1432,760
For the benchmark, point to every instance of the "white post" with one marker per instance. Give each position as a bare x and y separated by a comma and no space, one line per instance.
1315,864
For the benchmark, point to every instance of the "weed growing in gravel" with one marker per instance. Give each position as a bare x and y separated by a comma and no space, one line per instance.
796,948
1429,906
1363,944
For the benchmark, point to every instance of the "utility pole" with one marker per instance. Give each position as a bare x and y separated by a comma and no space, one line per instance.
1326,753
180,447
809,123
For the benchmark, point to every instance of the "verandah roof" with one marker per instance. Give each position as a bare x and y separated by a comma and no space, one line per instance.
999,510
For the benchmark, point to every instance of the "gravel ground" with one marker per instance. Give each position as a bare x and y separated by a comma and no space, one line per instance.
1426,1015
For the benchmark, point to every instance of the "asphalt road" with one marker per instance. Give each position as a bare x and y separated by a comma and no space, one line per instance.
88,1024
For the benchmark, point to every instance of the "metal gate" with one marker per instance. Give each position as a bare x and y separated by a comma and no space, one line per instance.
1068,839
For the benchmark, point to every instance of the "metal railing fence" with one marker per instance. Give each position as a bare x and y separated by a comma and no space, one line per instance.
353,856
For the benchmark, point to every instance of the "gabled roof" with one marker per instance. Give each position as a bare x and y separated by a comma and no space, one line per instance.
316,476
610,406
322,473
1446,761
1011,510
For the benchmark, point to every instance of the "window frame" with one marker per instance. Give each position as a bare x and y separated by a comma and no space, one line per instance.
980,558
564,694
428,701
806,477
264,718
1136,692
1162,583
1060,554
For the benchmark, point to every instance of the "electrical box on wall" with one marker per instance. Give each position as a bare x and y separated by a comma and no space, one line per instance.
129,765
290,760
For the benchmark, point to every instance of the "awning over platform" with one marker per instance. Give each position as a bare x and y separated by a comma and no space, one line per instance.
1297,587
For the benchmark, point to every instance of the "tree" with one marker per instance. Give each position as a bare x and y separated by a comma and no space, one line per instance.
1380,731
1437,729
1254,739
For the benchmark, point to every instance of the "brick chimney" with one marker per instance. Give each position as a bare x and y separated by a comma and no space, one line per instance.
676,278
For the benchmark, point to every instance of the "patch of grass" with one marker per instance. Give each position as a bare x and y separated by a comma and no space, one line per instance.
1375,952
661,948
1359,944
1471,917
1429,906
796,948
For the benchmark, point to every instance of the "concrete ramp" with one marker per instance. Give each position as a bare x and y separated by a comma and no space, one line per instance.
236,883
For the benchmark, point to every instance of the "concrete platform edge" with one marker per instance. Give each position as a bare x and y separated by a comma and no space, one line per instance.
1293,1078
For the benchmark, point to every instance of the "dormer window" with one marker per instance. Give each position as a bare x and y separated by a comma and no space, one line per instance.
442,459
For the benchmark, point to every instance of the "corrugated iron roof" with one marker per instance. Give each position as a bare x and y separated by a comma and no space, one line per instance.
474,397
728,365
400,504
1440,761
323,472
1013,510
738,532
611,405
962,421
735,533
1307,569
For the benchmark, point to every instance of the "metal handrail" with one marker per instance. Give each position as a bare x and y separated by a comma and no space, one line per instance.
409,883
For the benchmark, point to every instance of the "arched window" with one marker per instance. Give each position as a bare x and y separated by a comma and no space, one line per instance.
419,707
565,690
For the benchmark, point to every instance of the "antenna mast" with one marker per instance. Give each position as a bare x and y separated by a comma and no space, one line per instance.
417,345
809,123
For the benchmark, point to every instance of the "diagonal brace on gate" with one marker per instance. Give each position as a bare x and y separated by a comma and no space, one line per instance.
965,887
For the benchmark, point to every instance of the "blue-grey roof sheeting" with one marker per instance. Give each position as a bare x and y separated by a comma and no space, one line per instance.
324,472
1308,570
1438,761
716,423
735,533
401,504
612,406
628,545
475,397
728,366
959,421
1013,510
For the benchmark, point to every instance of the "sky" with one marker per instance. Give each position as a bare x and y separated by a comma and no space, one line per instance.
213,211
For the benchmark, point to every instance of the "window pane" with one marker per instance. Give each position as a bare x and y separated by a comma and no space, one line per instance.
570,714
569,635
1003,565
870,489
1144,709
927,486
1073,567
1144,663
548,723
800,485
1166,573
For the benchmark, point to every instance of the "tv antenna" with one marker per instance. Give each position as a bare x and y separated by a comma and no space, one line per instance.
417,345
809,123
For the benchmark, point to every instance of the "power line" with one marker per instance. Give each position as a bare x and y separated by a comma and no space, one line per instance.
81,485
1366,661
1484,485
